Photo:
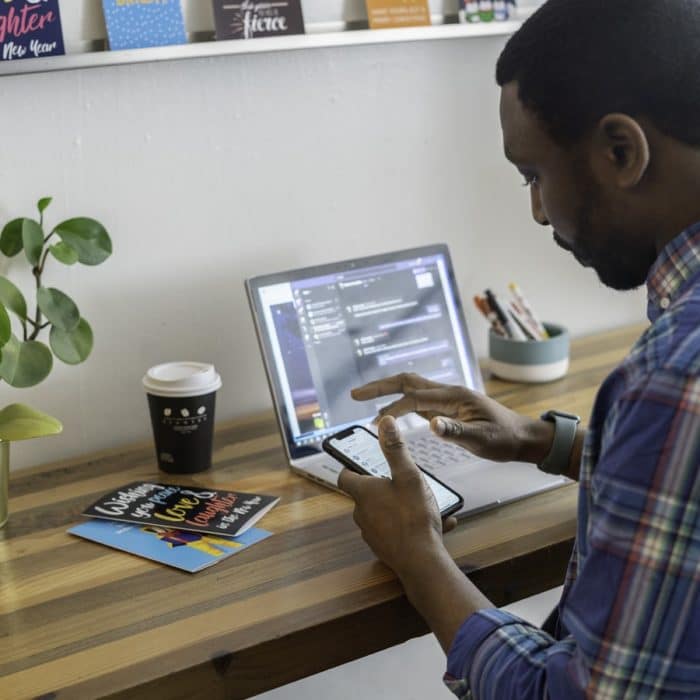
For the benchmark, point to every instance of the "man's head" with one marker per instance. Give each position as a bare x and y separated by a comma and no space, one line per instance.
600,109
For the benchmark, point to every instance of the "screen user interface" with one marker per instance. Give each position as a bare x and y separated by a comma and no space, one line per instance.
363,448
331,333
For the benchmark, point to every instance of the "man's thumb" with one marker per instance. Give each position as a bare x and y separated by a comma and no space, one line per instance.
394,448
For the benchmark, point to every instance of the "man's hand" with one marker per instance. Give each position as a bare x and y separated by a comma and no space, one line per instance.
398,517
472,420
400,521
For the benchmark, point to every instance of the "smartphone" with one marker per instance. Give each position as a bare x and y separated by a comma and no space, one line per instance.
358,449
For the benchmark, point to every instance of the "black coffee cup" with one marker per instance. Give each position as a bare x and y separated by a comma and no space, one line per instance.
182,401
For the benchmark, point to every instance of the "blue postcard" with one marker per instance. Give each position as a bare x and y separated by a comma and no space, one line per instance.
30,29
137,24
191,551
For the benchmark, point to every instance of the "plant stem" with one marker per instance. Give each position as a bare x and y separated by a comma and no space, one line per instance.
37,272
37,276
43,260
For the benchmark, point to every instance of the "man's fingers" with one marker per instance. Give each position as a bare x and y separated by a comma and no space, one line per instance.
398,384
446,427
351,483
394,448
449,524
443,401
464,434
404,405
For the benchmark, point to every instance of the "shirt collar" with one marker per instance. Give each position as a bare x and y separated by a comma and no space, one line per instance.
678,262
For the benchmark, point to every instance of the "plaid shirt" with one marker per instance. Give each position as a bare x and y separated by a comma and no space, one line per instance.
629,616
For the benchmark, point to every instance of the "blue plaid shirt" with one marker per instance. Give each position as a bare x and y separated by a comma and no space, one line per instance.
629,616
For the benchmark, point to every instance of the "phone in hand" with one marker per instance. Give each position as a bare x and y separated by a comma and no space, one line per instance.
358,449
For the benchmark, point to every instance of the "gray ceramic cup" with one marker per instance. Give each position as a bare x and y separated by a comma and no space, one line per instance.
532,361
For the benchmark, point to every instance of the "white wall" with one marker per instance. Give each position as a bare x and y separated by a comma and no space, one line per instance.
207,171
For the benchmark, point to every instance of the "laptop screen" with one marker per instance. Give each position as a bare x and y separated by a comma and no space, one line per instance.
328,329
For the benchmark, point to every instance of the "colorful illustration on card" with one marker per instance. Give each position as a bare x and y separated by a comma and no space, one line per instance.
137,24
250,19
191,551
387,14
30,29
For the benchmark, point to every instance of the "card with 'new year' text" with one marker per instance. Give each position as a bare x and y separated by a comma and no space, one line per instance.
189,508
30,29
251,19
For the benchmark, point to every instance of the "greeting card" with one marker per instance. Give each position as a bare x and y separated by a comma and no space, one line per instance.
250,19
136,24
385,14
30,29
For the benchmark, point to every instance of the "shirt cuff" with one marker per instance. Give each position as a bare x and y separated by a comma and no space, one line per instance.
471,635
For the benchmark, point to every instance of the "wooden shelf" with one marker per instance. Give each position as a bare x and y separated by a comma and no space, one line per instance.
315,39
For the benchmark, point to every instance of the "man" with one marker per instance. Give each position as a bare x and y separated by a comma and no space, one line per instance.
600,110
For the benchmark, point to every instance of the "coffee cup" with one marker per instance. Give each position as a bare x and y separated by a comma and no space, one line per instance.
182,400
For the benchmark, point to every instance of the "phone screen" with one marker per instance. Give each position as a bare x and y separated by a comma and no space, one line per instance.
362,447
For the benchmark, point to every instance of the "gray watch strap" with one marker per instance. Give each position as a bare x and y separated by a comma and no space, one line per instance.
565,426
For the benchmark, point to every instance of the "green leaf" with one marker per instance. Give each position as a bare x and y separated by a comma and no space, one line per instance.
64,253
5,326
43,203
58,308
25,364
88,237
11,238
19,422
12,298
72,347
33,240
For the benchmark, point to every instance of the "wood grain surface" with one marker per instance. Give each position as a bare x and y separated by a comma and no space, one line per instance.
79,620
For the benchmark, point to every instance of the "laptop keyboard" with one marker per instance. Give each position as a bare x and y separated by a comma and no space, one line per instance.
432,453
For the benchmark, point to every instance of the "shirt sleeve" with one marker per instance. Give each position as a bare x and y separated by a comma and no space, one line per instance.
633,613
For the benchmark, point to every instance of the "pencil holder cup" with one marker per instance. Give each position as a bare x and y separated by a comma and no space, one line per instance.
531,361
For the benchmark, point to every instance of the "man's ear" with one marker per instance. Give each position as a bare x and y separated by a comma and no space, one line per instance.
621,151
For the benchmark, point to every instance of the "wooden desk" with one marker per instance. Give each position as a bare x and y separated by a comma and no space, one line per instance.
78,620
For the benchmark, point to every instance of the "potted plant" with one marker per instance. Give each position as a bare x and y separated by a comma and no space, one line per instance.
24,359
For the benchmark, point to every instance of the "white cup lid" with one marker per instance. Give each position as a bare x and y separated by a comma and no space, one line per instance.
182,379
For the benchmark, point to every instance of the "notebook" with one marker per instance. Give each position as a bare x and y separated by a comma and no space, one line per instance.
324,330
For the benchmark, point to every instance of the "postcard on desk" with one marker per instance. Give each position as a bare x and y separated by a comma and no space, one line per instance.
191,551
251,19
139,24
387,14
194,509
29,29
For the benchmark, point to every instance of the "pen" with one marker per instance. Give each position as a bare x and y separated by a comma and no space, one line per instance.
512,329
524,318
525,306
524,321
490,316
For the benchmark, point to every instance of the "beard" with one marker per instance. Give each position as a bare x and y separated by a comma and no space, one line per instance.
621,260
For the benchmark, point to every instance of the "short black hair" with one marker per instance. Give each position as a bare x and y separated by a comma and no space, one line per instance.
577,60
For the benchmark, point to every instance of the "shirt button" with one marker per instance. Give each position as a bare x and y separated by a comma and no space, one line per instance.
665,303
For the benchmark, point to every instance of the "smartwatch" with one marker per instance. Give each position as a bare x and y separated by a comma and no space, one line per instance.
565,426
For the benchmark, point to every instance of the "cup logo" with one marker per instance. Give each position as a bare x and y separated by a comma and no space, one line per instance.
183,419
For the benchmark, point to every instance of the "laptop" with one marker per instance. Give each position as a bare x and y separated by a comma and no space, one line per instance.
324,330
